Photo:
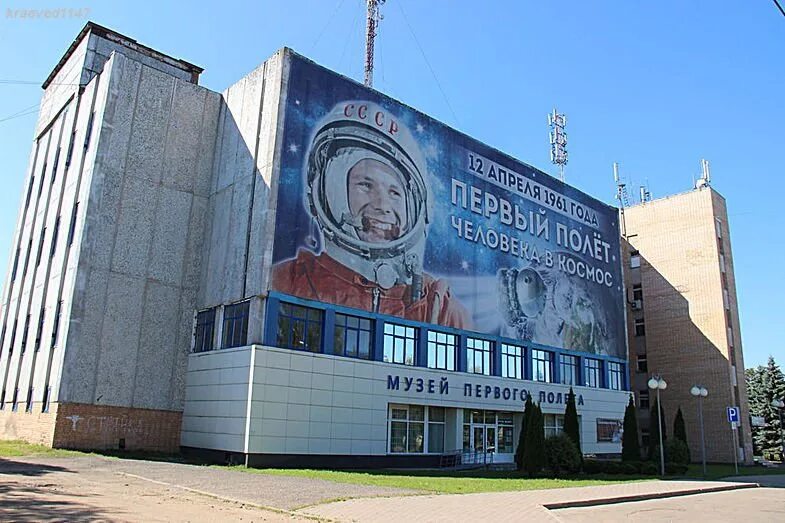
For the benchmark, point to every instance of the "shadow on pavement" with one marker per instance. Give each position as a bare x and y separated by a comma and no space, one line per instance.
35,503
20,468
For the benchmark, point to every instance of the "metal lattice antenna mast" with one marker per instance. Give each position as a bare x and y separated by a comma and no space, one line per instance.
373,17
558,137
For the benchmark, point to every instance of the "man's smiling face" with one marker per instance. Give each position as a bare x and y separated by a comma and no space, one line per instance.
377,198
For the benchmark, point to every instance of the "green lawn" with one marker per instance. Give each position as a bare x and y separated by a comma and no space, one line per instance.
714,472
446,482
10,449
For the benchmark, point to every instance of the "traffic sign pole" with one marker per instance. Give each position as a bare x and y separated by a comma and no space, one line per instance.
734,419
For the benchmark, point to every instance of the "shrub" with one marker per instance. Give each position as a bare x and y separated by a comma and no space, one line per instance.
592,466
612,467
630,468
675,468
630,447
561,455
676,451
649,469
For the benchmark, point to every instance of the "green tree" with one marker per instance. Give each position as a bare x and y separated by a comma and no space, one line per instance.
528,408
654,430
680,432
630,445
534,451
764,385
571,426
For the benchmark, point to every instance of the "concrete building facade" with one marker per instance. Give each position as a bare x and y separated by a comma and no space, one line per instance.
153,302
683,318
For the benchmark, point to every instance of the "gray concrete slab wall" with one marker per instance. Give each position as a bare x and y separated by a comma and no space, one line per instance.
143,232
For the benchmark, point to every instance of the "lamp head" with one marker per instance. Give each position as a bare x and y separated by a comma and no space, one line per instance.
695,391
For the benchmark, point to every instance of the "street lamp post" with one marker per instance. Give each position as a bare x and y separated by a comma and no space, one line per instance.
700,393
779,404
658,384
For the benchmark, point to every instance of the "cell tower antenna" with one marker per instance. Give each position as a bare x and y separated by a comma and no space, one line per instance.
705,178
621,195
372,18
558,122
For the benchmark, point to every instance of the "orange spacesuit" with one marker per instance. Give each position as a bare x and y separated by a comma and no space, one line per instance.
322,278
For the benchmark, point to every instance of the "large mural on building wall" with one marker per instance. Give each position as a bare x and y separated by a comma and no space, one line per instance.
384,209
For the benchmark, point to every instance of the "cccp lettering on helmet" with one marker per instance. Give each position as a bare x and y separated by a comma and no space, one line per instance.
378,117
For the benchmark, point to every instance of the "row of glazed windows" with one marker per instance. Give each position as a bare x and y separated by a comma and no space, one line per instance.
420,429
304,328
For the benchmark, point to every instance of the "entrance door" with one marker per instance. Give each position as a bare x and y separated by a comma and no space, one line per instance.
489,432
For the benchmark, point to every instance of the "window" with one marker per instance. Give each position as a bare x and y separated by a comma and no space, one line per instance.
15,401
608,430
55,232
615,378
72,226
56,326
722,263
441,350
40,330
13,338
2,337
592,373
730,337
436,425
54,165
235,333
40,247
299,327
568,368
353,336
45,399
554,424
542,361
15,265
407,429
29,192
29,402
512,361
26,331
70,153
41,183
635,260
637,292
478,356
205,329
399,342
2,400
718,226
640,327
643,399
726,298
643,363
89,130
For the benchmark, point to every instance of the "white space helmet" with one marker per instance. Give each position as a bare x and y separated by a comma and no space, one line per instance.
352,132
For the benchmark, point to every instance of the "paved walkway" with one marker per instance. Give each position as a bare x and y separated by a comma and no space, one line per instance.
94,487
529,505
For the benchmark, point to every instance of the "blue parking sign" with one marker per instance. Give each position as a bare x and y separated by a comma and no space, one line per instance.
733,414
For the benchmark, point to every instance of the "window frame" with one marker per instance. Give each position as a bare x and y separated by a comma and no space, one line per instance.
544,365
408,336
444,344
517,357
639,327
615,435
615,375
229,336
310,317
484,349
203,342
641,363
342,325
592,368
573,366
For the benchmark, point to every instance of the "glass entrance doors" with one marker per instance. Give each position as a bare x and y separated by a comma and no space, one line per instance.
489,431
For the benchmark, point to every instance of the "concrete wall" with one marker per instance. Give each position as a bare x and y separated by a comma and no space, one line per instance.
685,316
303,403
238,251
145,206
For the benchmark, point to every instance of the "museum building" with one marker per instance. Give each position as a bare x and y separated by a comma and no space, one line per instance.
296,270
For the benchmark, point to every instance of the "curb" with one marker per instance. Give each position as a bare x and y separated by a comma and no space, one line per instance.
645,497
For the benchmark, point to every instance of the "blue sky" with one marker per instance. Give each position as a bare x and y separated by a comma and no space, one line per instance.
655,86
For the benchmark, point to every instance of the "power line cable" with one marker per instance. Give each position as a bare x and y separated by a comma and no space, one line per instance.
777,3
24,112
326,25
31,82
438,84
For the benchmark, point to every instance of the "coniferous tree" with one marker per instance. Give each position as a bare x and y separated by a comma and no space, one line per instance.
528,408
764,385
654,430
630,446
534,451
680,432
571,425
